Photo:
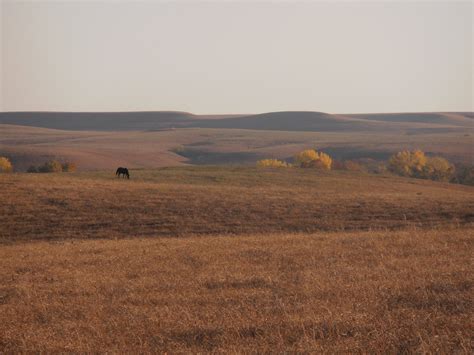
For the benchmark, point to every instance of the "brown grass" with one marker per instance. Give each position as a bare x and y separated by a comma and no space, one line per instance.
210,200
383,292
253,261
93,150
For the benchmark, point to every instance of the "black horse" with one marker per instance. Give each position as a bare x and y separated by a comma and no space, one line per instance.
123,172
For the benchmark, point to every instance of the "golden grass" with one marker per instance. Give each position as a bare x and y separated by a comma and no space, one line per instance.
211,200
254,260
380,292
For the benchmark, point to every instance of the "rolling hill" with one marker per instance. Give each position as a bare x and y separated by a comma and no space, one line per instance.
281,121
105,140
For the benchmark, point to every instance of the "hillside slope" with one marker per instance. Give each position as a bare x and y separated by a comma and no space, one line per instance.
98,121
281,121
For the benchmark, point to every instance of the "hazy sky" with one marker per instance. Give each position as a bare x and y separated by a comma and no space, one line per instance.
237,57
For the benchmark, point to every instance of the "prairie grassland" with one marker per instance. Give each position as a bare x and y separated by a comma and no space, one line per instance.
93,150
221,259
213,200
379,292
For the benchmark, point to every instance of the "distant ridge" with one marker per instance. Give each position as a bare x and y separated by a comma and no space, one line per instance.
98,121
279,121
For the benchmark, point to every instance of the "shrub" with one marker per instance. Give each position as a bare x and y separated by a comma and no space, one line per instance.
351,165
326,160
337,165
51,166
312,159
464,174
408,163
32,169
272,163
5,165
438,169
416,164
305,157
69,167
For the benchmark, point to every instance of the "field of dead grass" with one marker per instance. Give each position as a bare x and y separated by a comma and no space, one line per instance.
379,292
221,259
221,200
93,150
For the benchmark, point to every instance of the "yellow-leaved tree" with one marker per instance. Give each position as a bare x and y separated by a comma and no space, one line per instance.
305,157
312,159
272,163
69,167
5,165
416,164
52,166
439,169
408,163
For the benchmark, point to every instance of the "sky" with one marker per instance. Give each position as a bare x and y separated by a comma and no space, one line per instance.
236,56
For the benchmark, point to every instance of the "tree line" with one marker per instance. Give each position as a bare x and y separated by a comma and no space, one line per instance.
414,164
51,166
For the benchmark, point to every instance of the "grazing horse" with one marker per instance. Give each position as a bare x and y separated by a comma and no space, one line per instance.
123,172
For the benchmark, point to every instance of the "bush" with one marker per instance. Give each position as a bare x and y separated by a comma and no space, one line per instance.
69,167
5,165
351,165
51,166
305,157
272,163
408,163
438,169
32,169
416,164
312,159
337,165
464,174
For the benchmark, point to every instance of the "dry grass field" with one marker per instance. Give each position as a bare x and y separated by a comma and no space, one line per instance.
378,292
221,200
234,259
